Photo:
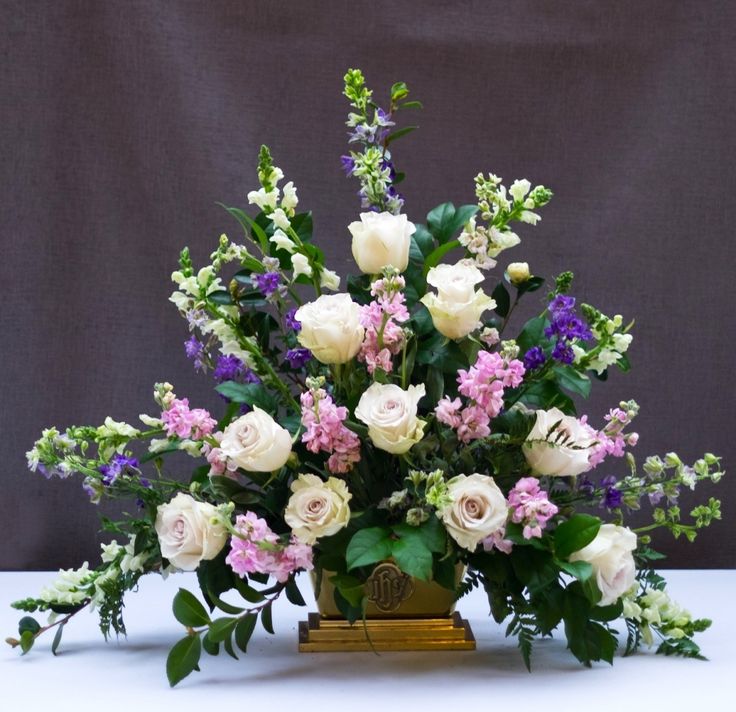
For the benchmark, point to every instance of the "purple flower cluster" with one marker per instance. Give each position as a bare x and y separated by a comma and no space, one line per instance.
291,321
117,466
231,368
267,283
565,326
298,358
194,350
612,497
534,358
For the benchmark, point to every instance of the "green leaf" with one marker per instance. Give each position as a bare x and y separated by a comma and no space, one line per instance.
399,133
576,533
412,105
250,393
611,612
188,610
572,380
367,547
531,285
210,647
28,623
244,630
431,532
503,300
57,638
27,639
224,606
250,227
581,570
220,297
221,629
433,259
413,557
445,220
183,659
349,587
532,334
267,618
303,226
293,594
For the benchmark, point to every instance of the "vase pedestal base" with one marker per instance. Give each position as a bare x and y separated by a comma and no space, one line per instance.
319,635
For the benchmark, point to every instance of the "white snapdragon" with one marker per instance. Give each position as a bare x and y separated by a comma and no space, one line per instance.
290,200
282,241
280,219
329,280
265,200
301,265
70,586
519,189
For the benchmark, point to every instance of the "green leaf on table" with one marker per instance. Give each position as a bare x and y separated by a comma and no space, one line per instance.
367,547
28,623
183,659
57,638
576,533
188,610
27,639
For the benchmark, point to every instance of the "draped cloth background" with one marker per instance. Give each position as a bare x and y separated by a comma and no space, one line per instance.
124,122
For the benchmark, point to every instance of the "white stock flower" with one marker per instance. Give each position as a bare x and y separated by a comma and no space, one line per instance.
280,219
519,189
563,451
282,241
457,306
290,200
186,532
610,555
316,508
391,416
70,587
301,265
256,442
381,240
501,240
331,328
477,509
266,201
329,279
527,216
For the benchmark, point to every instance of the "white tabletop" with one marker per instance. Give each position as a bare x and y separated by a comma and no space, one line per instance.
129,674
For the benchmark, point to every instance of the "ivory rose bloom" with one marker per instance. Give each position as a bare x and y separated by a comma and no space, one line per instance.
331,328
518,272
186,533
381,240
477,509
256,442
610,555
391,416
457,306
317,508
564,451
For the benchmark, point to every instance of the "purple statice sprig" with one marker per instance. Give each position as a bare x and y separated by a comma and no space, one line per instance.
267,283
565,327
118,465
298,358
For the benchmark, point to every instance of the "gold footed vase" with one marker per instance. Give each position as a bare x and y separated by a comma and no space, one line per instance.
403,613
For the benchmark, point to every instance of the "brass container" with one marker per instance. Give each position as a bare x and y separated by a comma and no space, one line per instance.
394,594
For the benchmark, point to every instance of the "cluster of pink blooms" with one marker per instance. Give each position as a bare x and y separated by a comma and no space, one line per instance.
498,540
530,506
384,337
219,462
483,385
256,549
612,440
326,432
179,420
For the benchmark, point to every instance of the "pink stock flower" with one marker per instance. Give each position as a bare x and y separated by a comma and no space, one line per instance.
179,420
611,440
498,540
447,412
474,424
326,432
256,549
530,506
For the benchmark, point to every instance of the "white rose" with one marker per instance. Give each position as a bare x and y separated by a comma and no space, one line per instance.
610,555
380,240
256,442
518,272
186,533
329,279
301,265
317,508
391,416
457,306
564,451
331,328
477,509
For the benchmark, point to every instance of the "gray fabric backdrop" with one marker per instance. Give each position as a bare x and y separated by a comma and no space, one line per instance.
123,122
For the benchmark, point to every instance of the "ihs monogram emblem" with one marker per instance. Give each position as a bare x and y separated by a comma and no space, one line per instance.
388,587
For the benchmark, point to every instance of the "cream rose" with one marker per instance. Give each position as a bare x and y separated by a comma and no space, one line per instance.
256,442
316,508
457,306
391,416
331,328
476,510
381,240
186,533
518,272
610,555
564,451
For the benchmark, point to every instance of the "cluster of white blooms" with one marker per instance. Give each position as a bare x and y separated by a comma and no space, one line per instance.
656,608
194,288
613,341
70,587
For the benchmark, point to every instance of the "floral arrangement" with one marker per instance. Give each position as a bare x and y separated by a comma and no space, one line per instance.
396,420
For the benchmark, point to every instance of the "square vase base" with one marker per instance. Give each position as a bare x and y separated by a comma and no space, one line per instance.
319,635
